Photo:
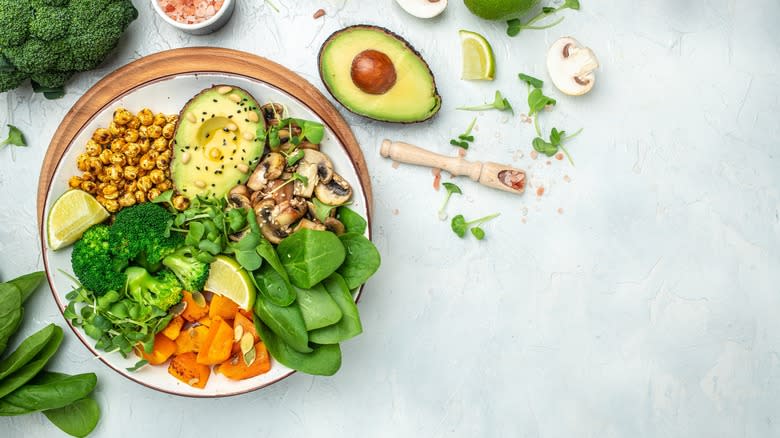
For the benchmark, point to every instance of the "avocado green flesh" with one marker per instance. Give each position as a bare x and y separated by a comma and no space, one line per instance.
412,98
217,156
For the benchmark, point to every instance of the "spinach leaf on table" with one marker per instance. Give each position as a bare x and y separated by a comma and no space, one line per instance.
361,261
353,222
349,326
323,360
10,312
76,419
32,368
286,322
48,391
310,256
26,350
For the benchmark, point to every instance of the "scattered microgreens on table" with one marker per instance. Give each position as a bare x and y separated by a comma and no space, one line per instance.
464,139
15,137
537,102
460,226
451,189
514,26
499,103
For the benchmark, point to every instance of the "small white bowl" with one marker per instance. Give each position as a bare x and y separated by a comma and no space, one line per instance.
211,25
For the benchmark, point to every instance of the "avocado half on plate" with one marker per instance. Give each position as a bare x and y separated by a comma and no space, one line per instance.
376,73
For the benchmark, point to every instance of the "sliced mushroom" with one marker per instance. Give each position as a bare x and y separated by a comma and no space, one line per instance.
279,190
311,225
572,66
269,169
264,210
273,113
308,145
288,212
423,8
336,192
239,200
240,189
273,234
334,225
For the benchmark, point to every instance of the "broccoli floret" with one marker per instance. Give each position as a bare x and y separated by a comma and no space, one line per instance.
11,79
59,36
142,231
191,272
161,290
94,265
52,79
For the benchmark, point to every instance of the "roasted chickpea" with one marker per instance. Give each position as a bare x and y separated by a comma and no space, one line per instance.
118,158
116,130
94,165
88,186
134,123
111,205
160,144
118,144
162,162
131,135
87,176
82,162
127,200
122,116
143,132
103,177
147,162
157,176
105,156
144,183
145,145
131,150
173,118
168,130
114,173
140,196
154,132
160,119
101,185
133,161
130,172
99,198
74,182
110,191
164,186
146,116
101,136
153,193
93,149
180,202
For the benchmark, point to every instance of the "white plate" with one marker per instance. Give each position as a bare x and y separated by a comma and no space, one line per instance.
168,96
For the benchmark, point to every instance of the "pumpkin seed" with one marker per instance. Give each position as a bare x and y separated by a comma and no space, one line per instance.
238,332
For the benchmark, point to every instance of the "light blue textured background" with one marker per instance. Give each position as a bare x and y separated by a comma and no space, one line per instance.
648,308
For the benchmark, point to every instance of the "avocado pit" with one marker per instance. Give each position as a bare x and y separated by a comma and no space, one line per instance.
373,72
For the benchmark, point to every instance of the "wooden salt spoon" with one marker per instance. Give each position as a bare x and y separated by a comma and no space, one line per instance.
497,176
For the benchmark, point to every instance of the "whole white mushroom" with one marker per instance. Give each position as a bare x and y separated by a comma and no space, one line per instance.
423,8
572,66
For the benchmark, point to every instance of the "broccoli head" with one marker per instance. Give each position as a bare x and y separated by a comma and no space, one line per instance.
52,39
161,290
191,272
93,263
143,231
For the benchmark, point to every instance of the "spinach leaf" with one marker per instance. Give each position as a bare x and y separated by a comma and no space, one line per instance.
48,391
268,253
286,322
26,351
273,286
323,360
10,312
24,374
317,307
310,256
76,419
350,325
27,284
361,261
353,222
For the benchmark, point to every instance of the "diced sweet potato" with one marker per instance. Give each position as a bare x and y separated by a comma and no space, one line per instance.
216,348
193,311
172,330
162,351
222,307
186,368
191,340
236,368
247,325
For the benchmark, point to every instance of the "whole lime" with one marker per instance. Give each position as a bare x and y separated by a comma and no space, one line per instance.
499,9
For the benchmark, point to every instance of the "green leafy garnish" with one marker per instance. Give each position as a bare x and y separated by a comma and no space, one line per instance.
499,103
321,210
463,139
294,157
537,102
15,137
530,80
451,189
460,226
138,365
556,142
515,25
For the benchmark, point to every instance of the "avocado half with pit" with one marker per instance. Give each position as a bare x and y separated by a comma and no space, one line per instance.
218,142
375,73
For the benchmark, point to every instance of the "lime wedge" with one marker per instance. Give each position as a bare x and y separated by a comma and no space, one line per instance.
478,61
229,279
71,215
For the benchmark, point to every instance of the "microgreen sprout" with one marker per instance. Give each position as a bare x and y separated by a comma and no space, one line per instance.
556,142
460,226
514,26
295,177
499,103
451,189
294,157
463,139
15,137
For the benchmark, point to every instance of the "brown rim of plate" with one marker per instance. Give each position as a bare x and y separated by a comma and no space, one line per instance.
66,134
